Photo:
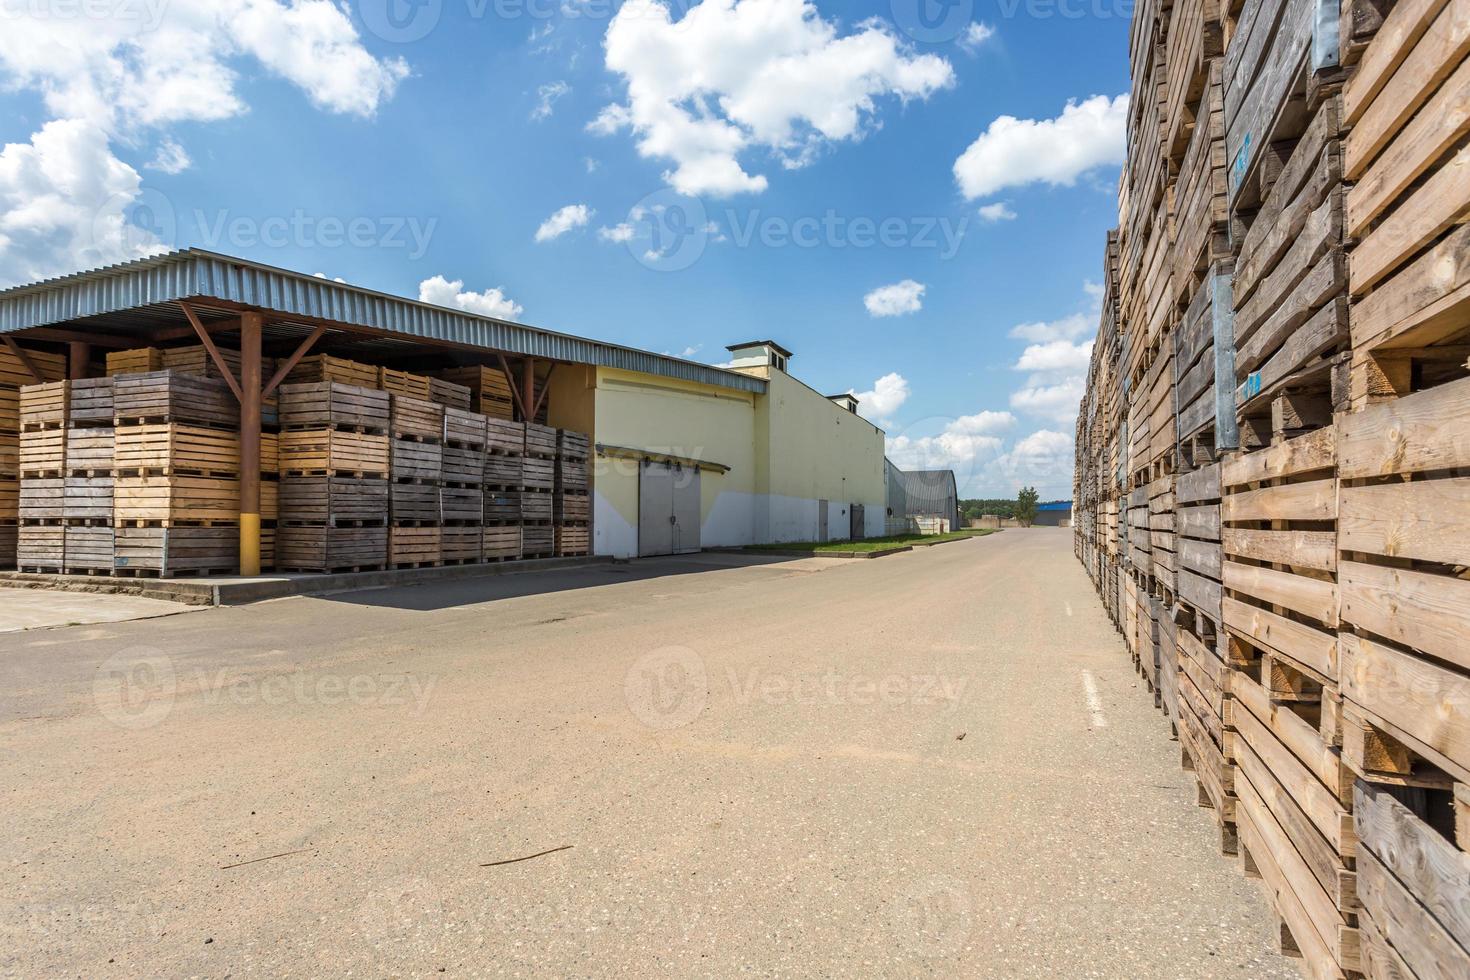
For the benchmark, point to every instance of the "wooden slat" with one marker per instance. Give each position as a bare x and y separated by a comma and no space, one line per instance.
1308,596
1313,451
1312,501
1422,431
1441,201
1420,941
1301,549
1311,647
1426,704
1430,613
1427,520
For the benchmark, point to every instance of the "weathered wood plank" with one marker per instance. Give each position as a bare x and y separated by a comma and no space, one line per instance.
1430,613
1426,704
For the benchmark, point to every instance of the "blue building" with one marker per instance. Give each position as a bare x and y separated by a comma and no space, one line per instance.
1057,513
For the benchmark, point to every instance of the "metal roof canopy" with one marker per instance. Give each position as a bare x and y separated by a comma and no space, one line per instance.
138,302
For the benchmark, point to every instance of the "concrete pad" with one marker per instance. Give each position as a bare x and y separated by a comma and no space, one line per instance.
30,609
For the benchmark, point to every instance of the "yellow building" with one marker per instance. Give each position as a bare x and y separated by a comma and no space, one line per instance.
683,465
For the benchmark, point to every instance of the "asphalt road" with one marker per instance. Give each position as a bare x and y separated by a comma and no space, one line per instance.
938,763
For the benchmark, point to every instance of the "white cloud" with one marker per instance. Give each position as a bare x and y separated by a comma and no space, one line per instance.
1056,400
999,211
546,97
149,66
1067,328
170,159
1095,292
323,275
1056,355
885,397
591,164
735,75
564,220
1044,459
1014,152
621,232
687,353
896,300
975,35
964,445
492,302
64,202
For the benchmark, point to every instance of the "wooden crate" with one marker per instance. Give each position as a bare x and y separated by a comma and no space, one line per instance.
333,452
9,410
1202,225
416,418
462,466
540,441
87,498
461,504
41,499
195,360
573,445
173,447
537,541
403,383
9,500
502,542
1140,559
1199,558
502,506
1204,370
538,474
414,547
167,551
414,460
449,394
174,500
1278,513
333,499
571,474
89,549
535,506
464,428
333,404
1409,269
1193,46
301,548
571,508
9,453
505,438
1414,889
92,402
503,471
481,380
41,548
319,368
1161,534
573,540
1291,314
15,374
461,545
45,406
42,452
414,503
9,541
1204,726
139,360
164,396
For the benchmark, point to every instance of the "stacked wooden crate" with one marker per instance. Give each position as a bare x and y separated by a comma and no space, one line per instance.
489,388
571,506
16,373
416,463
90,475
138,360
334,465
538,482
43,414
317,368
169,518
462,493
505,452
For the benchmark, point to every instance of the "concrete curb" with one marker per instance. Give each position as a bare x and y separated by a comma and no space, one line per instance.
203,592
828,554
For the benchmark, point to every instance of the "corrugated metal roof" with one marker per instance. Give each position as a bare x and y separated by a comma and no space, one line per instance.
922,493
195,273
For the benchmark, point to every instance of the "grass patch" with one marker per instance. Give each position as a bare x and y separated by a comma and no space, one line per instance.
872,544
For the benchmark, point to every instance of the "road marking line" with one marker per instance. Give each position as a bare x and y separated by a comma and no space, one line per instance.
1094,699
1069,608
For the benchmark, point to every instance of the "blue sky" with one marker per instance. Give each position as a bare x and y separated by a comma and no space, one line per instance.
528,151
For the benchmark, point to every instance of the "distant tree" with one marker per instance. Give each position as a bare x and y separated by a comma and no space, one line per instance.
980,507
1026,506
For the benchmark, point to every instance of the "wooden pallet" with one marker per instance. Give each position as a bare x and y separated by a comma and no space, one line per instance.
462,544
482,381
41,499
1204,371
502,506
540,441
331,549
505,472
41,547
1162,537
1199,556
169,551
45,405
9,540
538,540
333,451
501,542
573,445
42,452
504,437
176,447
1201,227
464,428
9,499
571,508
164,396
15,374
87,498
333,499
573,539
414,386
571,474
333,404
89,549
195,360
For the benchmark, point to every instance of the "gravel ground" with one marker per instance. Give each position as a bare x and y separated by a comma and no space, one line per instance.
938,763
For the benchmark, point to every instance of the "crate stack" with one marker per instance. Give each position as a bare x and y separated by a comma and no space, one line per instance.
334,470
490,392
416,466
505,456
87,502
571,506
176,502
43,414
538,482
462,493
16,374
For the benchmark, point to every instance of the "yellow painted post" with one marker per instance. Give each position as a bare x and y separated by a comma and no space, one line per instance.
250,382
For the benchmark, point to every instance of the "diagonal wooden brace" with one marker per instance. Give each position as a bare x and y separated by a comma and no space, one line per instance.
24,358
292,361
219,362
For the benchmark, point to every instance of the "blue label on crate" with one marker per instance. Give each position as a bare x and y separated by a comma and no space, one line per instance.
1251,387
1242,160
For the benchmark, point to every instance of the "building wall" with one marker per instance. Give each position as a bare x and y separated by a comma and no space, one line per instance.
681,418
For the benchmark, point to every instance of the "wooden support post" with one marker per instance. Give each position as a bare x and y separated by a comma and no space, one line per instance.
78,358
250,329
528,388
